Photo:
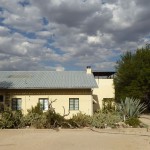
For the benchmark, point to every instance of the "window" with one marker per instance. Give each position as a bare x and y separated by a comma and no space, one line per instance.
1,98
16,103
73,103
1,103
43,103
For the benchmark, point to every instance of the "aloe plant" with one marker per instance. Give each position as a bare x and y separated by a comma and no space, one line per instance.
131,107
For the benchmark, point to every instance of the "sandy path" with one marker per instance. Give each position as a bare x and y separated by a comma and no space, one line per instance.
29,139
145,119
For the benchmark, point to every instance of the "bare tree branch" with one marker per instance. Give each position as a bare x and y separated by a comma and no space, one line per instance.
65,112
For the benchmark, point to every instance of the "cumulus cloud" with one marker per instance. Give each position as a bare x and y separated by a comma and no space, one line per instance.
64,34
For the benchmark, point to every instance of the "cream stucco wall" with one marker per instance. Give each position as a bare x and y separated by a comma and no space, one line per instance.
31,98
105,90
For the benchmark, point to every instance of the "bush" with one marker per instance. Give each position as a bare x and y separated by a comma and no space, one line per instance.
131,108
1,107
34,120
134,122
102,119
11,119
36,109
53,119
108,105
80,120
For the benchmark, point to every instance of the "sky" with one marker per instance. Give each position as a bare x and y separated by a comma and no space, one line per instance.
70,34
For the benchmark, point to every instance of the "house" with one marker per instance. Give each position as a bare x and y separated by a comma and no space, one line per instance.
66,91
71,90
105,90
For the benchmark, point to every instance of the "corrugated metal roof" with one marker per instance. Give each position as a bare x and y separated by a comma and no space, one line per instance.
46,80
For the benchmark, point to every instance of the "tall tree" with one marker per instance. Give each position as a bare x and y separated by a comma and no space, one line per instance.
133,75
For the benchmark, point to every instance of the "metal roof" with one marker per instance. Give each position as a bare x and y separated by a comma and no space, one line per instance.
46,80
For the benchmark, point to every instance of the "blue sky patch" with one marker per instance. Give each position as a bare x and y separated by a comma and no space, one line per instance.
45,21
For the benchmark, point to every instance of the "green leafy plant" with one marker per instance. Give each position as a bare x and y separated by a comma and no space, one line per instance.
108,104
1,107
103,119
36,109
131,108
80,119
11,119
34,120
53,119
134,122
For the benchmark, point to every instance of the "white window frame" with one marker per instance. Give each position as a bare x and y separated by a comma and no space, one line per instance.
73,103
44,103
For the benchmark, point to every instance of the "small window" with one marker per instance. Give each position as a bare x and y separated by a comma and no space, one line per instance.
74,104
16,103
1,98
43,103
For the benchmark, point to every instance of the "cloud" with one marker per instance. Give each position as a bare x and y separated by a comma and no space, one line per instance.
4,31
69,35
70,13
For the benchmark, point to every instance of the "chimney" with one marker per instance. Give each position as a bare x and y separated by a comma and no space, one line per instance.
88,70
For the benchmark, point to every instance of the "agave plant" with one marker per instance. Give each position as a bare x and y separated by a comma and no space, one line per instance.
131,107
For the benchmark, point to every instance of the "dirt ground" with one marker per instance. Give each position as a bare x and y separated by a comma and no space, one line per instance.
75,139
145,118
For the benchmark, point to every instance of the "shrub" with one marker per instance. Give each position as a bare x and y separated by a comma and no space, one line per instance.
130,108
1,107
11,119
70,123
108,104
102,119
53,119
134,122
80,120
36,109
34,120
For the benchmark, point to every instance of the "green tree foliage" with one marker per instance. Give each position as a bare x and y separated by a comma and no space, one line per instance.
133,75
